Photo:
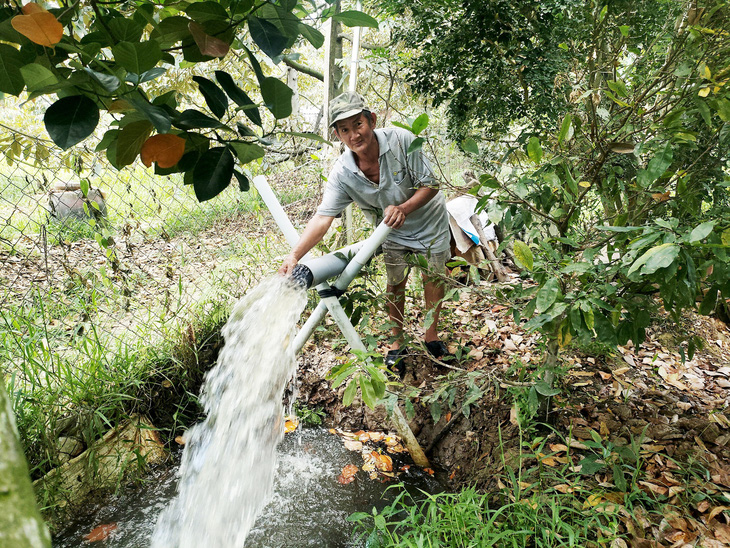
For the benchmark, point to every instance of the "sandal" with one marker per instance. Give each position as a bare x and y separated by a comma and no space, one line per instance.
395,361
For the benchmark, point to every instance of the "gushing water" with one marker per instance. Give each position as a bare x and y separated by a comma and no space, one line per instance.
228,465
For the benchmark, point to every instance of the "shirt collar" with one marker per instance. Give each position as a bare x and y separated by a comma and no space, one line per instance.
348,157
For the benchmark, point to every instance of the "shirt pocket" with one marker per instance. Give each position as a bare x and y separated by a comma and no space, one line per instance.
401,177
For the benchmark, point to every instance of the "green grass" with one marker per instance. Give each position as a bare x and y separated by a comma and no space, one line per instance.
473,519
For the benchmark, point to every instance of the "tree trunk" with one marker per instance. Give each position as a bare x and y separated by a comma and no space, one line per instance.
21,525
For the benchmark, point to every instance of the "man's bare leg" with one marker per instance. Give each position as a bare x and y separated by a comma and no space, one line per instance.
433,292
396,308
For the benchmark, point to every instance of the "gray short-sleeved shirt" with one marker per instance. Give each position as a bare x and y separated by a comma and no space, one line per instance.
426,228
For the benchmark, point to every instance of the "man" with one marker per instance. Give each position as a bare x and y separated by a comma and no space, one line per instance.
389,185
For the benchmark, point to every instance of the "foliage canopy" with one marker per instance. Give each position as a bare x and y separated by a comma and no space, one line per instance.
107,56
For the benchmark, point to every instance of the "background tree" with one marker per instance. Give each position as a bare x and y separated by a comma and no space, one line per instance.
603,130
108,56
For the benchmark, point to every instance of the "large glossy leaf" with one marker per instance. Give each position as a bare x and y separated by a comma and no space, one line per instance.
655,258
207,11
108,81
158,116
171,30
36,76
125,30
40,27
213,173
11,79
243,182
147,76
238,96
194,119
137,57
547,295
277,97
130,141
656,168
267,36
701,231
71,120
420,123
523,254
314,37
214,97
247,152
534,149
353,18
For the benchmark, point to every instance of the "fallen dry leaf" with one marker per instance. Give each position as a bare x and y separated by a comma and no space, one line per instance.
180,440
291,424
352,445
348,474
101,532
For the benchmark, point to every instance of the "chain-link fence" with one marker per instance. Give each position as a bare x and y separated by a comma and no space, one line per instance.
103,272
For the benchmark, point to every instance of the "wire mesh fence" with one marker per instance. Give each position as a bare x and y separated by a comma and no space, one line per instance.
122,257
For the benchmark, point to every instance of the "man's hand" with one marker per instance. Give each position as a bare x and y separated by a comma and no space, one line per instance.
288,265
394,216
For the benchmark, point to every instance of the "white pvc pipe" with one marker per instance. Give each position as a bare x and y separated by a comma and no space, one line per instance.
280,216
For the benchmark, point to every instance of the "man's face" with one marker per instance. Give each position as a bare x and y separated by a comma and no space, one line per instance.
356,132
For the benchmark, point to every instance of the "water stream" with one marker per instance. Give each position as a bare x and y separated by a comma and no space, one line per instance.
229,469
228,465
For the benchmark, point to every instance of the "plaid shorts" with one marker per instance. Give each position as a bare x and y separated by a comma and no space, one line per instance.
397,267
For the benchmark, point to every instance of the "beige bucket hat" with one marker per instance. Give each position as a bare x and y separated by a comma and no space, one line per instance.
346,105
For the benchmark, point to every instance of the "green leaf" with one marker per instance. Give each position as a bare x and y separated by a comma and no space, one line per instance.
420,123
415,145
657,257
435,411
659,164
238,96
11,79
194,119
618,87
71,120
214,97
125,30
36,76
523,254
158,116
213,173
130,141
470,145
565,128
247,152
109,137
277,97
709,302
354,18
312,35
137,57
243,182
624,30
534,150
171,30
489,181
267,36
545,389
368,394
547,295
108,81
701,232
349,394
207,11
